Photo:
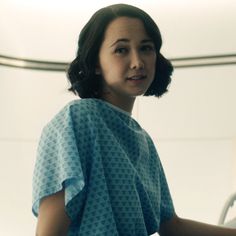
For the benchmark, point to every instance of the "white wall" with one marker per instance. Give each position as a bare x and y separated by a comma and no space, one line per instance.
193,125
194,130
28,99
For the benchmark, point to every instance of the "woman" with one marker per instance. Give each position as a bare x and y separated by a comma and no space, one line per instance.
97,171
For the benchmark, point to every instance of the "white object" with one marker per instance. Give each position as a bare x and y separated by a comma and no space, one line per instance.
229,203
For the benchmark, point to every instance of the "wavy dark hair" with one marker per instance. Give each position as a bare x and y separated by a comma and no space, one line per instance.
81,72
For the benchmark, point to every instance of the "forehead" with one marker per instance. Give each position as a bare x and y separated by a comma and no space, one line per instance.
125,27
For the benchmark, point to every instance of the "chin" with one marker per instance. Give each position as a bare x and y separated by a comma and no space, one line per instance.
137,94
140,93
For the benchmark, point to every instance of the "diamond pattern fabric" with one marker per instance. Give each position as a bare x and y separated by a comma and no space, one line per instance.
109,168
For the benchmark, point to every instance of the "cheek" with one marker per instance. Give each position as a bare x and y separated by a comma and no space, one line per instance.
153,65
152,70
116,66
110,71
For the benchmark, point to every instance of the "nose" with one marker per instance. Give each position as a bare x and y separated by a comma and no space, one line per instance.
136,61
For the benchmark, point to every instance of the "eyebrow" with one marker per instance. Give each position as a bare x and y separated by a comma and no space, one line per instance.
127,40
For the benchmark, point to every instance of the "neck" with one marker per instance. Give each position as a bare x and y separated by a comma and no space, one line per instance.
122,102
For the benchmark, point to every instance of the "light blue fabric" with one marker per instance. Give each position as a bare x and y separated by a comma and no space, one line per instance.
108,166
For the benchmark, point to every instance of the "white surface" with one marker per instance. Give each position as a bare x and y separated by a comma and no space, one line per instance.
200,174
193,125
48,30
200,104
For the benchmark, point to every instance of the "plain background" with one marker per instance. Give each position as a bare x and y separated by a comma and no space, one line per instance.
193,126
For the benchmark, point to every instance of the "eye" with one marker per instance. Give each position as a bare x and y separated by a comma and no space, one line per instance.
121,50
147,48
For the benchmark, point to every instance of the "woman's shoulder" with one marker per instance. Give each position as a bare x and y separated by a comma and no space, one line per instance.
78,110
81,105
77,107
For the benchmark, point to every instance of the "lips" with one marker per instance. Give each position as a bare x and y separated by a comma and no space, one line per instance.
137,77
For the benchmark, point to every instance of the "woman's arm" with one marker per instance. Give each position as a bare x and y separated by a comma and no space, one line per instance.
52,219
183,227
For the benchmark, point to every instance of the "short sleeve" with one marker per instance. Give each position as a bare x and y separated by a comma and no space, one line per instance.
167,210
58,164
167,207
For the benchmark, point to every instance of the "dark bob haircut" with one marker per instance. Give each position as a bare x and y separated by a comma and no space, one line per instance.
81,72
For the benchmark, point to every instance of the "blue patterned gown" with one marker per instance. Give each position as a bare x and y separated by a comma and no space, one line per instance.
108,166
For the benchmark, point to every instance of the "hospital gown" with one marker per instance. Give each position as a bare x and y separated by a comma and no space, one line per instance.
107,165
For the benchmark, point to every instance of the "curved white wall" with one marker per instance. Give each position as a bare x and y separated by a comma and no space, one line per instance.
193,125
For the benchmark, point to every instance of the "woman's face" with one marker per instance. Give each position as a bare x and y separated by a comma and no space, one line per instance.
127,59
